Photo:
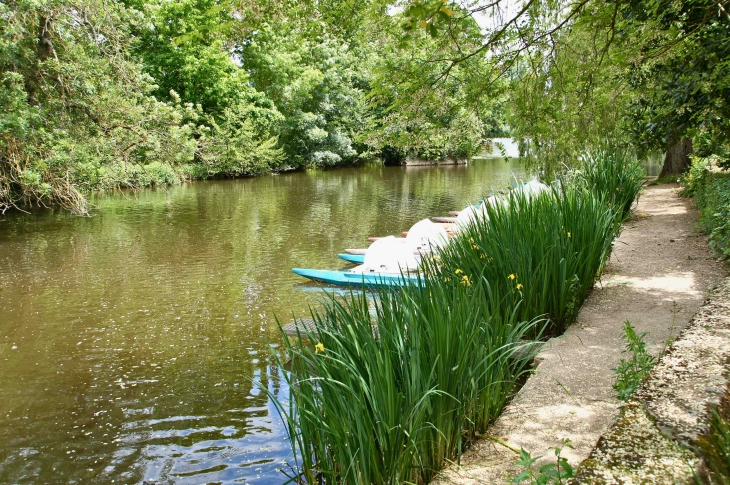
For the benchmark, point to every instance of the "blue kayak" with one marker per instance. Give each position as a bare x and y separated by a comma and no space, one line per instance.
347,278
352,258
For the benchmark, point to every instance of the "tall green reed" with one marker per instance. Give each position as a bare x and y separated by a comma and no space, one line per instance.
388,396
614,174
541,254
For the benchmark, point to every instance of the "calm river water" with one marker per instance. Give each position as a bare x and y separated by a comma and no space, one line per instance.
132,342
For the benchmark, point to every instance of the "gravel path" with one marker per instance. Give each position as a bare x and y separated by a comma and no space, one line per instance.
659,275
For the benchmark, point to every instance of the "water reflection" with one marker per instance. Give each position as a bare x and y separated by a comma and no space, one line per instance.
132,342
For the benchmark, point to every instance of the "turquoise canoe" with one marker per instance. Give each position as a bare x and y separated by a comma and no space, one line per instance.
358,258
347,278
352,258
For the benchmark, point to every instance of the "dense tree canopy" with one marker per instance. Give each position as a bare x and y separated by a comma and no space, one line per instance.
100,94
651,74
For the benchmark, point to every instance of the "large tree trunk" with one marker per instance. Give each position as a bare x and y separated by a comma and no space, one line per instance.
677,159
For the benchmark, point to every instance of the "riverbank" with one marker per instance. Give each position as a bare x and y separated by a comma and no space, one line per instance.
658,277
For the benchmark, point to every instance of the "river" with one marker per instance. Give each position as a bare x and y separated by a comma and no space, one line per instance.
133,342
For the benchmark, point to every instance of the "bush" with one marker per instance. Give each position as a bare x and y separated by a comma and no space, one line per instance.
192,171
233,148
155,174
711,190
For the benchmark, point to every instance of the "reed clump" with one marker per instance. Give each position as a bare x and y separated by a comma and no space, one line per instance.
385,392
613,174
541,253
386,395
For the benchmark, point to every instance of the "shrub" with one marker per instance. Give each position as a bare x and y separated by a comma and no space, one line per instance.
192,171
711,190
155,174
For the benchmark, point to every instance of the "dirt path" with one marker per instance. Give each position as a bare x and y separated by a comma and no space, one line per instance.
658,277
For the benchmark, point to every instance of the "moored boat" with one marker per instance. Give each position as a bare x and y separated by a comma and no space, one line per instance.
352,258
389,261
352,278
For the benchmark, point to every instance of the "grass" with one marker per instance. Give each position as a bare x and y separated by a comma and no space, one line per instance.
715,447
386,393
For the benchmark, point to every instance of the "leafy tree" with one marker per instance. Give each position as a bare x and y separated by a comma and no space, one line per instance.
234,149
570,94
317,84
426,107
663,63
73,101
682,79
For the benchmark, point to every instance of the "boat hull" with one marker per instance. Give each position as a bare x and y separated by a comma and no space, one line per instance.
352,258
346,278
444,220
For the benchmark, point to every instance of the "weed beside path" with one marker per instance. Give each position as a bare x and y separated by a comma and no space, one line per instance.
658,277
672,409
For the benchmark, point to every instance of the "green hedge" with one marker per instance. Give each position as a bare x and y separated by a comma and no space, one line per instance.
711,190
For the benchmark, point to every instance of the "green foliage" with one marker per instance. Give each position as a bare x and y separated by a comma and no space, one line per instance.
425,108
65,116
233,148
387,394
386,398
715,447
78,113
631,372
570,97
318,84
428,15
548,474
541,254
707,145
711,190
644,74
614,175
681,82
97,94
